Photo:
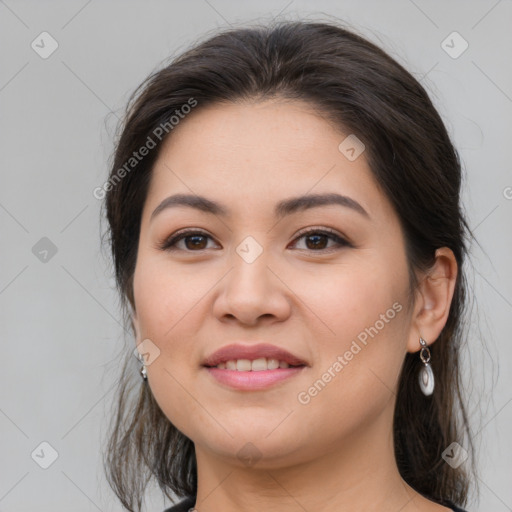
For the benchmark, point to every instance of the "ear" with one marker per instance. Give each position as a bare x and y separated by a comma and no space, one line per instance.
433,299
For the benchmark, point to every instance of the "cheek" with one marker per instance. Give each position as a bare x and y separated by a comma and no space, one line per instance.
347,299
168,305
163,296
360,337
357,370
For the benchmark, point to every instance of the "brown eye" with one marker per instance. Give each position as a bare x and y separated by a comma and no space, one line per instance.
316,240
196,241
193,241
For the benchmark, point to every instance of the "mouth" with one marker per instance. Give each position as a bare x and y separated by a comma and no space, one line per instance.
252,367
255,365
252,357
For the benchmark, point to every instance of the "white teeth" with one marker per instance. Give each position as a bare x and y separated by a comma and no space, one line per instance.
246,365
258,365
272,364
243,365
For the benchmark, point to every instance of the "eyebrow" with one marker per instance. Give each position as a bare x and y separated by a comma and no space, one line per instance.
282,209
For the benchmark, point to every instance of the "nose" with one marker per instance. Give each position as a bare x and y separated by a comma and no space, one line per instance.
252,292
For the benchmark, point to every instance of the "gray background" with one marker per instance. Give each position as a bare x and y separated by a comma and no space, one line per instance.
60,322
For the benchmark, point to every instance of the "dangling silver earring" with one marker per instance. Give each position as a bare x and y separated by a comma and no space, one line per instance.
426,375
143,368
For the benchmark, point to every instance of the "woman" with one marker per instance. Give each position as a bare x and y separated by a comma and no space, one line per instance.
288,241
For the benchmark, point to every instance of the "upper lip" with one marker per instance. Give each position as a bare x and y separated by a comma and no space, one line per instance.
254,351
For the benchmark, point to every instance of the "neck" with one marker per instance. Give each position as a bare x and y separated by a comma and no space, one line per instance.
357,473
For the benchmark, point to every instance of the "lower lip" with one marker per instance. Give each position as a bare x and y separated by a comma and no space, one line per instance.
253,380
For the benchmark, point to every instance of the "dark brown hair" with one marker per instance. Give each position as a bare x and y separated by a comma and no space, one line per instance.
357,86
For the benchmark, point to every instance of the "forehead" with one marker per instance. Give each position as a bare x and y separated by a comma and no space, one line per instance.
259,152
255,131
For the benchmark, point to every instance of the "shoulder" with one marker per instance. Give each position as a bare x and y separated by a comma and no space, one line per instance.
183,506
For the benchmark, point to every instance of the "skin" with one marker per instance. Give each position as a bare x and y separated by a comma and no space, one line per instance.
336,450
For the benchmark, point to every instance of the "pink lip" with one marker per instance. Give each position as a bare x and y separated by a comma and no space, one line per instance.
253,380
251,352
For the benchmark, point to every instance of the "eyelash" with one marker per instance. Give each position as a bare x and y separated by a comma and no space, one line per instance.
169,243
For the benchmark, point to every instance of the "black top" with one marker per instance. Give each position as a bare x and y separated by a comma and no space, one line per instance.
188,503
455,508
182,506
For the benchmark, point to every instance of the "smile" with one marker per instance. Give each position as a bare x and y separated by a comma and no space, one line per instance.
256,365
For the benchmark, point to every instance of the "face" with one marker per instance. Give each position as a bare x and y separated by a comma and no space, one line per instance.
328,283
